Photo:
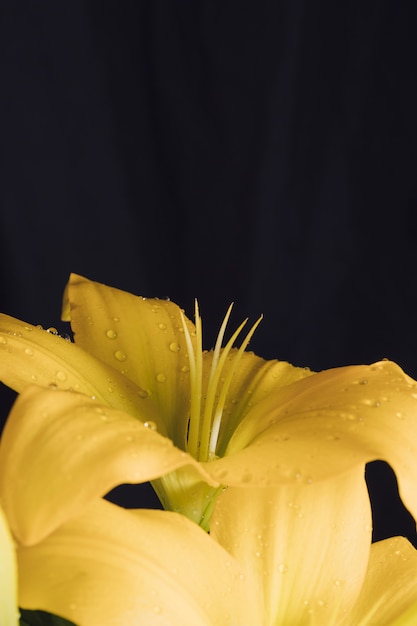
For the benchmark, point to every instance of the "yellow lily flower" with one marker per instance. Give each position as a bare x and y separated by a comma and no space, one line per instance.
9,615
235,420
148,361
302,440
296,554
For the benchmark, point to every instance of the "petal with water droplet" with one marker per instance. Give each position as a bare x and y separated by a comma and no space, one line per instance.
326,424
253,380
389,593
297,542
32,352
149,338
81,457
136,568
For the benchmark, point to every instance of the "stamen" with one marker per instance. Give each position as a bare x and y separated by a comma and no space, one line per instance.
211,393
196,379
215,429
214,380
219,341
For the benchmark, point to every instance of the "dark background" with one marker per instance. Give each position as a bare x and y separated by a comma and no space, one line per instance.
258,152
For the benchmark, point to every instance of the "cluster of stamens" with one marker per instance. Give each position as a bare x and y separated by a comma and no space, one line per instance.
206,412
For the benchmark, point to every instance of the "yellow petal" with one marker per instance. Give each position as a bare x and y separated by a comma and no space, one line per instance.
252,381
60,449
326,424
9,615
30,355
305,548
142,338
389,594
116,567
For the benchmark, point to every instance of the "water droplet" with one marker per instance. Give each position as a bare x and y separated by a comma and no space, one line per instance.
282,568
111,334
292,505
161,378
3,340
120,355
162,326
174,346
363,382
400,555
185,368
116,319
103,414
150,425
61,376
142,393
53,386
52,330
28,351
333,437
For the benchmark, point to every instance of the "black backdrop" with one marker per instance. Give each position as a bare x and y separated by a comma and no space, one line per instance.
258,152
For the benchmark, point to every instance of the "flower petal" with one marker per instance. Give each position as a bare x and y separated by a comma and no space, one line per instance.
252,381
116,567
142,338
31,355
9,615
389,594
305,548
326,424
60,449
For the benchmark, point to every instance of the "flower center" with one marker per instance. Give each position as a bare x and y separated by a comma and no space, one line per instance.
206,412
